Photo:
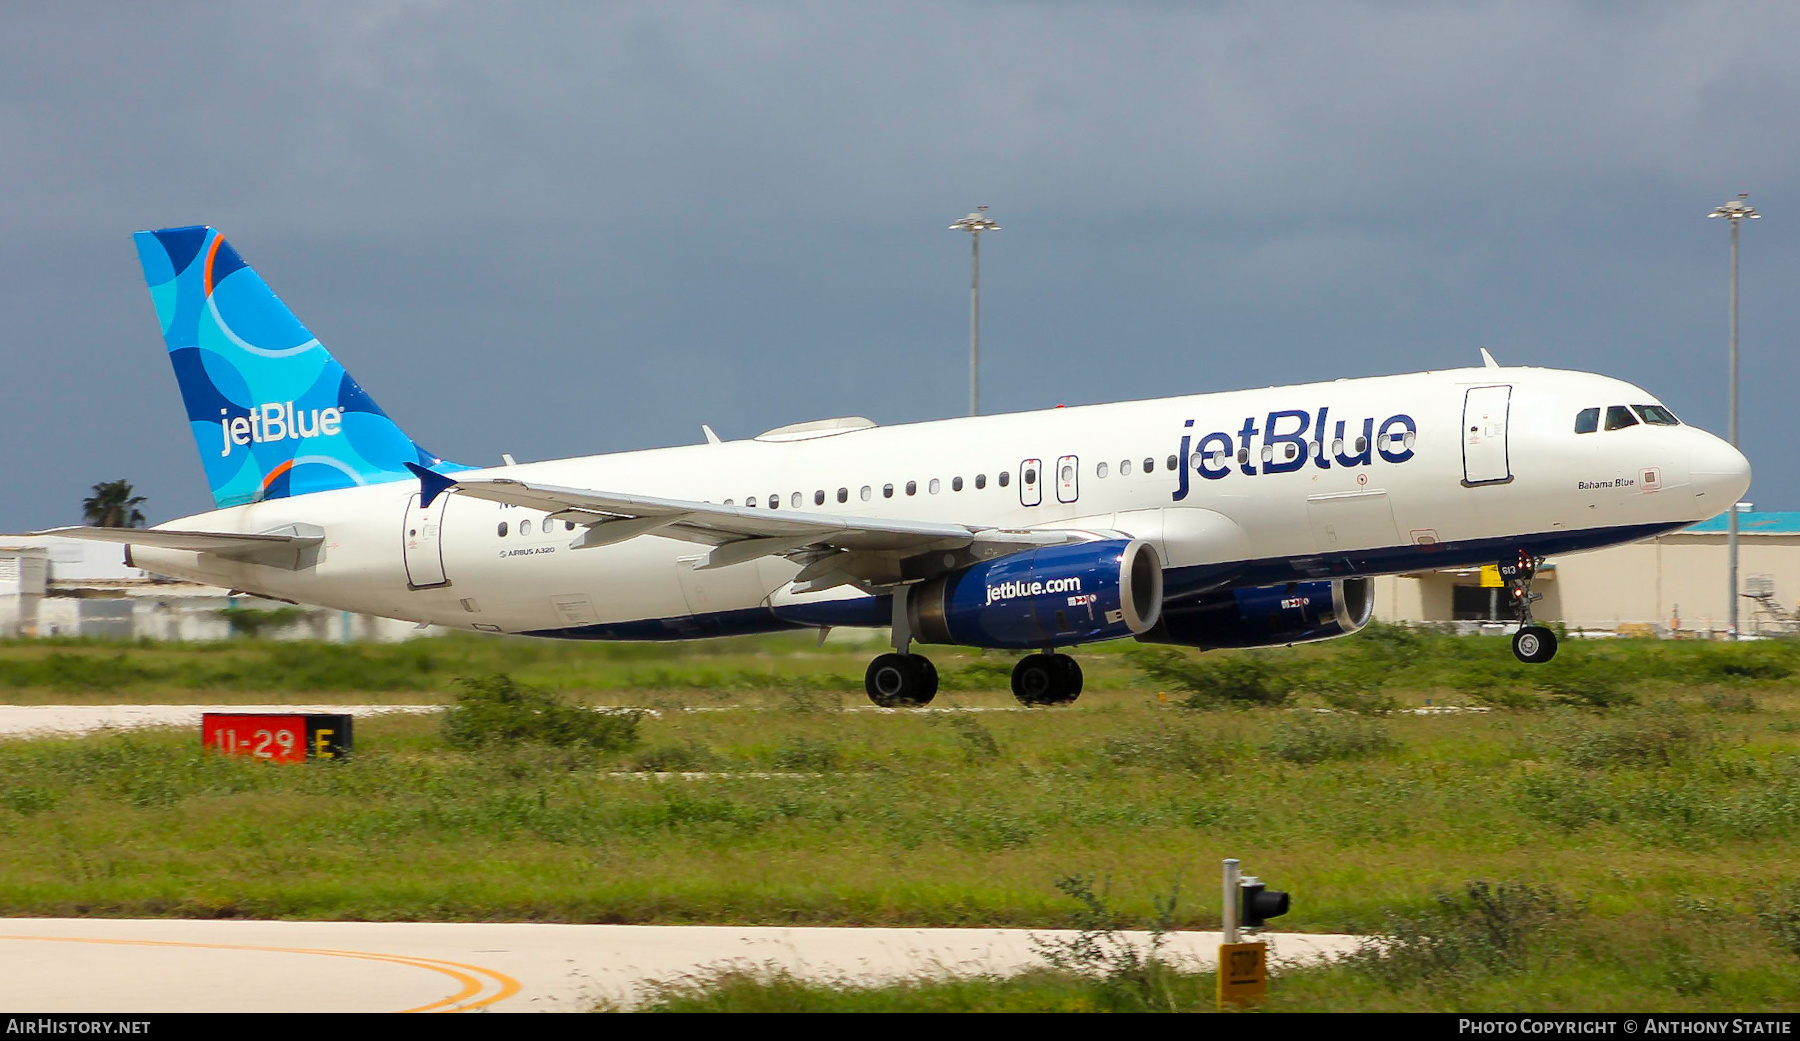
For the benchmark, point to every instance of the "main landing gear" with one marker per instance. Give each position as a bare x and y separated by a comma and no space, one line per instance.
905,680
1532,644
900,679
1046,679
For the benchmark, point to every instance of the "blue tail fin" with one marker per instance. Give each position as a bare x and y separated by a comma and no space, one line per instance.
273,412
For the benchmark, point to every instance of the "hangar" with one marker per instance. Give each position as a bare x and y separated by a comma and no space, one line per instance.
1670,585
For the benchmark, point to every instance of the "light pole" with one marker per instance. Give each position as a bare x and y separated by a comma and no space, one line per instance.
975,223
1734,211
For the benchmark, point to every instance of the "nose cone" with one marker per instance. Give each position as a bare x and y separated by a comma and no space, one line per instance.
1720,474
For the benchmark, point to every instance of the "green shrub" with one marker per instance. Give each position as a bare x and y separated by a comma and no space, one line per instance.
977,741
1316,737
1728,701
1588,682
494,710
1660,735
1236,679
1134,976
815,755
678,758
978,675
1168,748
1779,912
1487,929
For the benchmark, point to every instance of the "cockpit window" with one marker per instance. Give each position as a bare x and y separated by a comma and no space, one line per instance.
1587,421
1619,417
1656,415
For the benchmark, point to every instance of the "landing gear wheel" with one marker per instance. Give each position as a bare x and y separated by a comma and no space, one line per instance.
1046,679
928,680
1071,678
1534,644
901,681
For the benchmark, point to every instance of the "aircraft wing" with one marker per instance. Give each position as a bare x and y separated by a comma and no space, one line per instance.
861,550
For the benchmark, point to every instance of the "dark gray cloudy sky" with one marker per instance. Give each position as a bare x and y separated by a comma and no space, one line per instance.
560,229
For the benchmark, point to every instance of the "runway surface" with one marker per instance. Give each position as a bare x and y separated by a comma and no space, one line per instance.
75,720
163,965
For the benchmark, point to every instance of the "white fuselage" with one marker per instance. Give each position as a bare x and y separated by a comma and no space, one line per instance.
1459,472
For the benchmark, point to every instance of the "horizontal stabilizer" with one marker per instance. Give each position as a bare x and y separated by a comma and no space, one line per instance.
224,543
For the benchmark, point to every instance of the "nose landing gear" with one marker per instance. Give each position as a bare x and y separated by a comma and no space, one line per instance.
1532,644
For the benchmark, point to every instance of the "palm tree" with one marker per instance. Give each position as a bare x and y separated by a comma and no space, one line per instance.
113,506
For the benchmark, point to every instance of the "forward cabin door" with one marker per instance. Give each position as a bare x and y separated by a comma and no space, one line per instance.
1031,488
423,535
1485,459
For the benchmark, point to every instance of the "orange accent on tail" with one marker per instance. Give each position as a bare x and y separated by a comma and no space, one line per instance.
211,252
277,472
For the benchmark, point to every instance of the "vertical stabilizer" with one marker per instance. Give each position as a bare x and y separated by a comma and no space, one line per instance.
272,412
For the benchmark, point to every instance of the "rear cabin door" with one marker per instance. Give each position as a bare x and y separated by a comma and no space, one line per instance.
423,543
1068,478
1485,459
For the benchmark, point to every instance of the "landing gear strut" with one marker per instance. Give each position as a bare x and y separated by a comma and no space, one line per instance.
1046,679
901,679
1532,644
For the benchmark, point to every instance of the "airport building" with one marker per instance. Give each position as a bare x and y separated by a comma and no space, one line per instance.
1670,585
52,586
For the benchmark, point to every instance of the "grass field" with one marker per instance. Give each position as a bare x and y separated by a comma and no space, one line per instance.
1632,808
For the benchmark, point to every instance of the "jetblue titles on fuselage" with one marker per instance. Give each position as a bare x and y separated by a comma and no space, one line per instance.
1286,445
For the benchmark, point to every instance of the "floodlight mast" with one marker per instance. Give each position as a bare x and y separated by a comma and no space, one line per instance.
975,223
1735,211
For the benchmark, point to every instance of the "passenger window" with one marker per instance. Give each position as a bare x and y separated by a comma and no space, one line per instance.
525,526
887,491
1005,478
774,501
730,502
1195,460
1149,466
912,487
1100,471
1656,415
843,495
568,525
1362,445
794,499
1587,421
1618,417
1174,463
866,492
933,486
1031,477
502,529
980,481
1124,468
956,484
819,497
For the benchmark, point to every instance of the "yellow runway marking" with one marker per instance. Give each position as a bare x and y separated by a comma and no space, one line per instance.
466,975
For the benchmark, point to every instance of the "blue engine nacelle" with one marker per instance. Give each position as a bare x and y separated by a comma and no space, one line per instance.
1060,595
1263,616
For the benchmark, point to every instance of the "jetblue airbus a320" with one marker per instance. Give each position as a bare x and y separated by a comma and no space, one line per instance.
1238,519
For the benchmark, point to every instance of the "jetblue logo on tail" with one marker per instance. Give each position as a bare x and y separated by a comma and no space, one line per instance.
277,421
